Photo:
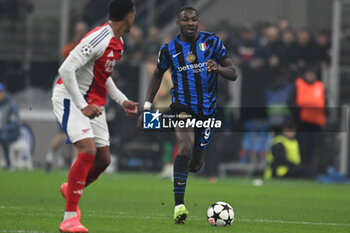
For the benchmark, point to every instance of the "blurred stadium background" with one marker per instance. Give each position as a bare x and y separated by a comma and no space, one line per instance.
34,34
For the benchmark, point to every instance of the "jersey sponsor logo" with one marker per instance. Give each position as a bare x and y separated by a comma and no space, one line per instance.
110,54
197,67
175,55
109,65
203,46
86,50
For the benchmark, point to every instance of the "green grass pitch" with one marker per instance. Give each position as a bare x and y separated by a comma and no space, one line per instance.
140,202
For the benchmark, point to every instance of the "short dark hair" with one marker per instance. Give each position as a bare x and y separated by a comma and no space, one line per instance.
185,8
118,9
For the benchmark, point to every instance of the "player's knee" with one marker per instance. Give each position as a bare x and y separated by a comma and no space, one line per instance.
102,160
88,150
185,148
86,146
104,163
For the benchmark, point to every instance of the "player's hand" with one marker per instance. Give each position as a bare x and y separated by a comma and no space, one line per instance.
212,65
130,108
92,111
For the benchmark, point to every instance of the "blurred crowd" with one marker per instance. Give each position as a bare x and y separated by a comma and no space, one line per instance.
269,45
276,46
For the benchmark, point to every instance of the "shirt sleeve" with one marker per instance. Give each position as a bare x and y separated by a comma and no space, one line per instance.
114,92
220,52
163,62
87,50
67,73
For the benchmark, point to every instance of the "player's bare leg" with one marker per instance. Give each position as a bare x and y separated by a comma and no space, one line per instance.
76,183
185,140
197,160
56,141
102,160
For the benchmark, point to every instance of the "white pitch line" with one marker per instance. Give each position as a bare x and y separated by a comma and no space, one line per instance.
118,215
292,222
10,207
24,231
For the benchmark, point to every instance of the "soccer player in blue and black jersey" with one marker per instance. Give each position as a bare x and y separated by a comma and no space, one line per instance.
195,60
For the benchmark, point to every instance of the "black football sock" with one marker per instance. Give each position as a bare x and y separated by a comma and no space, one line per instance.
180,178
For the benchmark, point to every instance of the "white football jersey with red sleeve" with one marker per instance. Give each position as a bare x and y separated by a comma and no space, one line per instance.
97,54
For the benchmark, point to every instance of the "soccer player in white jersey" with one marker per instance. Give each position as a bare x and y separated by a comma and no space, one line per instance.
78,100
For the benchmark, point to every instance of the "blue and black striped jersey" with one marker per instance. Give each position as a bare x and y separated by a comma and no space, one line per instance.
193,85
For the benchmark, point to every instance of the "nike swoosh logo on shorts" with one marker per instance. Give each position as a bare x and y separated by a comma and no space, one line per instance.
204,144
175,55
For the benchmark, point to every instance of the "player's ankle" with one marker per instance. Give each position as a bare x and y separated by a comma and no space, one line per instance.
178,206
69,214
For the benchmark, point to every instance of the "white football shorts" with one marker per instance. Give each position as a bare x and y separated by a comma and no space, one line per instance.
77,126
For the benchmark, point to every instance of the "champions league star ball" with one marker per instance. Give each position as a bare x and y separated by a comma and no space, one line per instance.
220,214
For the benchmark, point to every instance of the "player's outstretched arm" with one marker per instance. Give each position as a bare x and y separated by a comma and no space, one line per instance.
128,106
154,84
226,68
153,87
114,92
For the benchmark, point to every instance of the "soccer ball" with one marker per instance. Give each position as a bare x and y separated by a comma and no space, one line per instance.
220,214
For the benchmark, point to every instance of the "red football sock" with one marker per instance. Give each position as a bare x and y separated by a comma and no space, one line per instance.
77,179
94,173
